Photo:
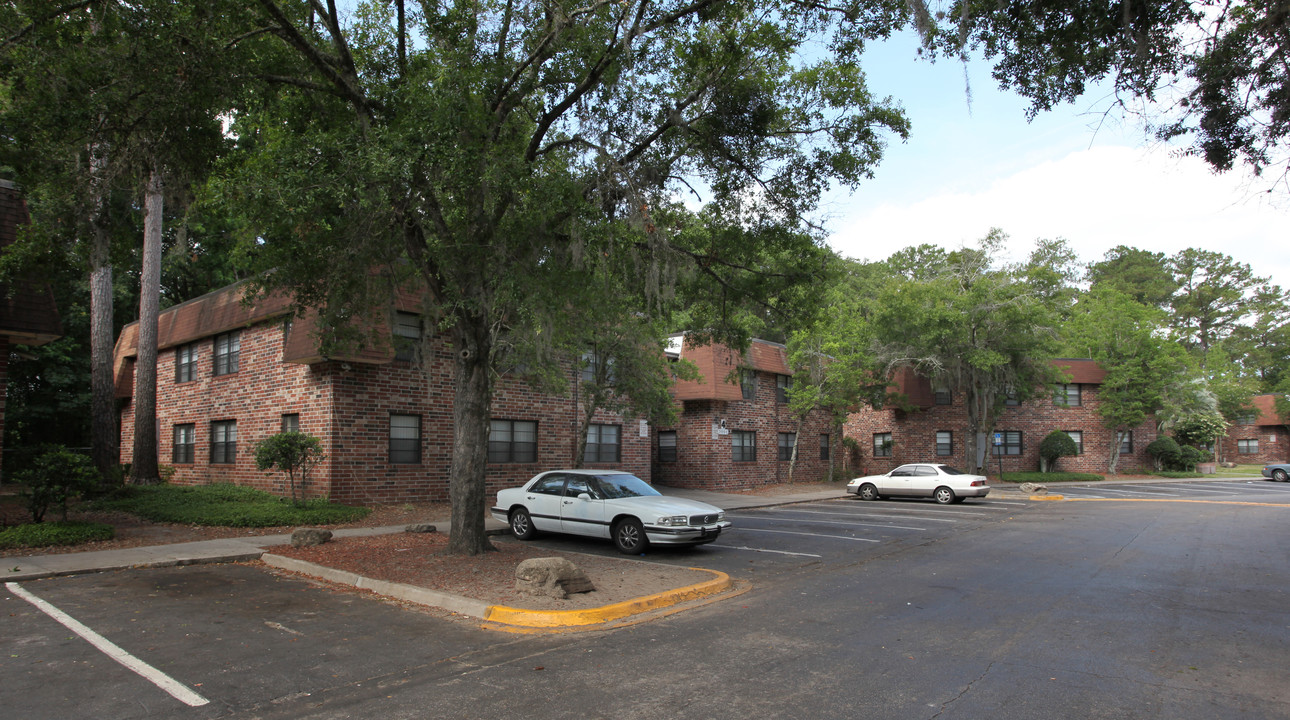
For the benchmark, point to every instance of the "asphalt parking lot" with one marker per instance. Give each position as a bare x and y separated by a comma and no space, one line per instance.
246,642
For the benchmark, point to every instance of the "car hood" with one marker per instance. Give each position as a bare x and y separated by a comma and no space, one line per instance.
665,505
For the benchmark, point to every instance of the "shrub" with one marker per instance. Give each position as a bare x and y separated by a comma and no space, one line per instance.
56,476
1165,451
291,452
54,533
227,505
1021,477
1188,456
1056,445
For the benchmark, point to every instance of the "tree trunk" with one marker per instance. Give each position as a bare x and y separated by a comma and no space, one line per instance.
792,458
144,470
104,439
1115,452
472,401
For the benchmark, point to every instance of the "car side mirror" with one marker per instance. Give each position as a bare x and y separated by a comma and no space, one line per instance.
584,496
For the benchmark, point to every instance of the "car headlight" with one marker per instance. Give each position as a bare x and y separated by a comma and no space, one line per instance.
673,520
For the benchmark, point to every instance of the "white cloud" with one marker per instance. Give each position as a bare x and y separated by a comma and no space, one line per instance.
1096,199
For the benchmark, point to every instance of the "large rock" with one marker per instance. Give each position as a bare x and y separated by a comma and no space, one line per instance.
420,528
551,576
309,537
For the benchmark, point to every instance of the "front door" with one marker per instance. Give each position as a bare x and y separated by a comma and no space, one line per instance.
582,511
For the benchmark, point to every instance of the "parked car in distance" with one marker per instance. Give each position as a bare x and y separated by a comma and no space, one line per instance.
607,504
1277,471
939,482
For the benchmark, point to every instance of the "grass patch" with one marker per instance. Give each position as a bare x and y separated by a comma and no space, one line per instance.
1179,474
1239,471
68,532
225,505
1038,477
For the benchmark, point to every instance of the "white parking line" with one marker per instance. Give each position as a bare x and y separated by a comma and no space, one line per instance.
1133,492
764,550
863,514
835,522
789,532
176,689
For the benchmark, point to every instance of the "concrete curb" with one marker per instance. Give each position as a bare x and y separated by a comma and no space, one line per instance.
507,617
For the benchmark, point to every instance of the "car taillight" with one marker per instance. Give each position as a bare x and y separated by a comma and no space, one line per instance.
977,483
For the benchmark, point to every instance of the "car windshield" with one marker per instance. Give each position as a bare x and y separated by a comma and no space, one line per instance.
946,469
622,485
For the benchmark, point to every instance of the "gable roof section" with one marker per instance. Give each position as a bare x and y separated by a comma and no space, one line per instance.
1266,405
1084,372
28,314
717,362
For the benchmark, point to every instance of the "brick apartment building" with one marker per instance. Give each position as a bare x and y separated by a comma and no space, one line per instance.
935,430
1257,437
230,374
28,315
735,431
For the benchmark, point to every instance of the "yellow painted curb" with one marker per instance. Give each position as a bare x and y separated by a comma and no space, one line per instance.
566,618
1047,497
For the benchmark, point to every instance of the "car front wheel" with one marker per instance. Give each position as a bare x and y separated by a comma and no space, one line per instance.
1279,475
522,524
944,495
629,536
868,491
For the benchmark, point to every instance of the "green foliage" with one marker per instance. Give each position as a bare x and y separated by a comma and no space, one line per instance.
1199,429
54,478
1188,456
976,326
1165,451
1049,477
67,532
1178,474
1142,275
293,453
225,505
1057,444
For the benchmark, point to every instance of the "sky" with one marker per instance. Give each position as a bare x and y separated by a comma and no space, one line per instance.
969,167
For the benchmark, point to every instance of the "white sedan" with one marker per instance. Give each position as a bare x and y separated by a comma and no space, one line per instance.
940,482
607,504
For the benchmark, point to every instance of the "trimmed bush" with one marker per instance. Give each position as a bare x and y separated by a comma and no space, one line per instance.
1165,451
1056,445
292,452
225,505
67,532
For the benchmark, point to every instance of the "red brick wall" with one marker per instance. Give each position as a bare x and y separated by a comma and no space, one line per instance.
1274,444
347,406
914,435
707,463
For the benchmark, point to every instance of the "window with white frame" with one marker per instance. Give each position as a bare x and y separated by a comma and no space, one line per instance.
290,422
603,444
512,441
1248,446
405,439
944,396
743,446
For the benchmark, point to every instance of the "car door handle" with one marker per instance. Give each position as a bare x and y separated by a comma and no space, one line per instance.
568,502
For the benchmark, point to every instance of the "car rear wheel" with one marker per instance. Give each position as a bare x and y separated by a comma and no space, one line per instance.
943,495
522,524
1279,475
629,536
868,491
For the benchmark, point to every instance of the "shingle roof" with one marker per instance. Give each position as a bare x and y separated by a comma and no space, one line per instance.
718,363
1266,405
28,314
